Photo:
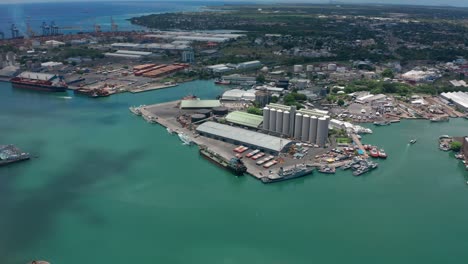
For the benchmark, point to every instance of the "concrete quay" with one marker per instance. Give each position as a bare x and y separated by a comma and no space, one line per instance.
151,88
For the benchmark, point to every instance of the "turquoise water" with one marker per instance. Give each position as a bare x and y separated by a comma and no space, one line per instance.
109,188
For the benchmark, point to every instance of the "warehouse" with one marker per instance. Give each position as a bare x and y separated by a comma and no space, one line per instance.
199,104
239,136
244,119
460,99
238,95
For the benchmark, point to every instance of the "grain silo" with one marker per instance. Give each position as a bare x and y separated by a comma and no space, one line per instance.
272,126
266,118
305,128
279,121
298,126
285,130
322,131
313,129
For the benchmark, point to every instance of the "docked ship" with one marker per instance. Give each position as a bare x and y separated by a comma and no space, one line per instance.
222,82
381,123
185,139
39,81
94,93
11,154
440,119
288,174
234,165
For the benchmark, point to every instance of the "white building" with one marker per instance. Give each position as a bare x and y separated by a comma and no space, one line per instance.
460,99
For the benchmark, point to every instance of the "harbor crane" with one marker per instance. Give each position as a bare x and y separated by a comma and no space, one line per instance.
14,31
29,30
45,29
114,26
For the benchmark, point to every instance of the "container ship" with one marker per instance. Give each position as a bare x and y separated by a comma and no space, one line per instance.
10,154
234,165
39,81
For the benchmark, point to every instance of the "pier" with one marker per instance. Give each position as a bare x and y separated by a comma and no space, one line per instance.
158,87
358,143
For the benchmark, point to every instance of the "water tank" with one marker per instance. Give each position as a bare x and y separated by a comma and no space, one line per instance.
205,112
322,131
197,117
285,130
298,68
220,111
272,126
313,129
266,118
298,126
305,128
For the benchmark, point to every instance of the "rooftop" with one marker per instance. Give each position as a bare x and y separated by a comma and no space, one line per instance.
37,76
244,119
199,104
245,136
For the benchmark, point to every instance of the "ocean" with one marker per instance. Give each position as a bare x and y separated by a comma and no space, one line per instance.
107,187
82,16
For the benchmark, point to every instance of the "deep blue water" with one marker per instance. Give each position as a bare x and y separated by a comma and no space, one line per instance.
82,16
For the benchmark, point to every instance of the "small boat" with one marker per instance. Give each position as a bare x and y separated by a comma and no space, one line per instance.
327,170
382,154
222,82
413,141
185,139
170,131
381,123
374,153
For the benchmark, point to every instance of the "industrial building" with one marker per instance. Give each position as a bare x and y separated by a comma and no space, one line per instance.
238,95
244,119
188,56
308,125
155,71
239,136
460,99
199,104
239,79
151,46
195,36
220,68
128,54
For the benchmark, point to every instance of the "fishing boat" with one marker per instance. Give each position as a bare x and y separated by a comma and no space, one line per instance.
413,141
327,170
374,153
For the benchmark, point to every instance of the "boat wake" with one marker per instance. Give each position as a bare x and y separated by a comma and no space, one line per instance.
66,97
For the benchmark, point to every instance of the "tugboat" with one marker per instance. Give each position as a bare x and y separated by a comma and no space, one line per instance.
11,154
413,141
287,174
382,154
374,153
234,165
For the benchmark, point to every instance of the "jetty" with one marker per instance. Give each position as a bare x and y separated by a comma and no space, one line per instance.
151,88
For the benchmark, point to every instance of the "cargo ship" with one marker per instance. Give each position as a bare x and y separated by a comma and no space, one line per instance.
39,82
235,165
11,154
93,93
287,174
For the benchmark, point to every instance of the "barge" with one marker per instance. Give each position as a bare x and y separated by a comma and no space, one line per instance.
235,165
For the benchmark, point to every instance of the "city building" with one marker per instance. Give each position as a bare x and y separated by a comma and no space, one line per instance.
188,56
239,136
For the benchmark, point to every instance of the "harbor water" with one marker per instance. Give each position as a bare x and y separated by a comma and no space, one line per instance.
107,187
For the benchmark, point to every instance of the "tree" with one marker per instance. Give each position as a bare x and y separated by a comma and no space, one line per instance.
388,73
455,146
260,78
341,102
254,110
274,99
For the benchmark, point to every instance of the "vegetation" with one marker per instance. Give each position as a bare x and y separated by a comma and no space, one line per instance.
254,110
388,73
341,102
343,140
455,146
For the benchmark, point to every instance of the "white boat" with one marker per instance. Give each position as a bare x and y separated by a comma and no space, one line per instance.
169,131
185,139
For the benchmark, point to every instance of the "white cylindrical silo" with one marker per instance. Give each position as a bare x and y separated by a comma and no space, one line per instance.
305,128
279,121
298,126
322,131
266,118
285,123
313,129
272,120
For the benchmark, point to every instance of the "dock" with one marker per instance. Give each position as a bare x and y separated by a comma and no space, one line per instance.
158,87
358,143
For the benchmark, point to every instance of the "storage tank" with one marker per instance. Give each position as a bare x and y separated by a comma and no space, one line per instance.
272,126
298,126
310,68
205,112
266,118
279,121
220,111
313,129
305,128
285,130
197,117
322,131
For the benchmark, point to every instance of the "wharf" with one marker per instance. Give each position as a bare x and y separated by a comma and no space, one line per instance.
359,144
158,87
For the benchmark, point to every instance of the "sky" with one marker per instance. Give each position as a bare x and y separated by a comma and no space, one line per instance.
412,2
